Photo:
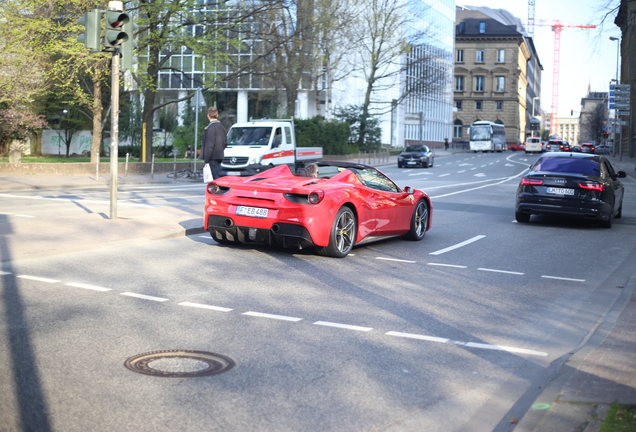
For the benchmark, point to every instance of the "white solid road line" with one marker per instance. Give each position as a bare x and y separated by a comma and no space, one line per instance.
80,201
458,245
144,296
16,215
89,287
39,279
204,306
278,317
395,260
468,344
343,326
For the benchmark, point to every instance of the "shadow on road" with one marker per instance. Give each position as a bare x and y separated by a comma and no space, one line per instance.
27,387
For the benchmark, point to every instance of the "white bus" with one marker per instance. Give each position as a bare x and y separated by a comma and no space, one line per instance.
487,136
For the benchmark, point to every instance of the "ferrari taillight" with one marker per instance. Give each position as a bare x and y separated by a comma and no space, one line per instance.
592,186
531,181
212,188
316,196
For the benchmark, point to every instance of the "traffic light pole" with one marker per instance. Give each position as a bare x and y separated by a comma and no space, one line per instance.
114,134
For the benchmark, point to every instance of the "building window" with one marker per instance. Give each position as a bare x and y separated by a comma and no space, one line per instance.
500,84
460,56
480,56
479,83
501,56
499,105
458,129
462,27
458,105
479,105
482,27
459,83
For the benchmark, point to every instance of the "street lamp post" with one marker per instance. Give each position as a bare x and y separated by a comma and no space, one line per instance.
612,38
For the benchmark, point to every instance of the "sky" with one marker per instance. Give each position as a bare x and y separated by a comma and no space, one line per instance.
588,56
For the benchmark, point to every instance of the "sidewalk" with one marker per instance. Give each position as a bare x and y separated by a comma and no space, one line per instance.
577,399
602,372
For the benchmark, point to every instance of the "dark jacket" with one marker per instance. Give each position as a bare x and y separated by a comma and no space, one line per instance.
214,142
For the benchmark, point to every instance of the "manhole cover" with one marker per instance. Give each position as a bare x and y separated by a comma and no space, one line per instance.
179,363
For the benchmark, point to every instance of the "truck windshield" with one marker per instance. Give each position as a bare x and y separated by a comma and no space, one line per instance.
480,133
249,136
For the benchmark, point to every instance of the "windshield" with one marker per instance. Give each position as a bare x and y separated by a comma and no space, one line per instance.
480,133
413,149
568,165
249,135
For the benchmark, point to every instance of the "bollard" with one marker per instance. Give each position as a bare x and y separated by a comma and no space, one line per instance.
174,177
152,167
97,171
126,167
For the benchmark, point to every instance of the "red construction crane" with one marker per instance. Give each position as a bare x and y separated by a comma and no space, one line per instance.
557,26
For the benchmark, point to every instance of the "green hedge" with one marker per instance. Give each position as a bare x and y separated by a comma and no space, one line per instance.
332,136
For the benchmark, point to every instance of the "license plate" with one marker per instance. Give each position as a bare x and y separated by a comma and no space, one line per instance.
560,191
233,173
251,211
411,162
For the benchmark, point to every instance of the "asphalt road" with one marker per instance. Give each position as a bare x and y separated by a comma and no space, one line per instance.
457,332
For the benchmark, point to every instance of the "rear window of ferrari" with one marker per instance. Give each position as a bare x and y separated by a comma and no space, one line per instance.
568,165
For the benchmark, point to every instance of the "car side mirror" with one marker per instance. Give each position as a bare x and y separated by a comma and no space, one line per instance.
409,190
621,174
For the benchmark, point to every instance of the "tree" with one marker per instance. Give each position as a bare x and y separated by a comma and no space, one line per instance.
592,126
389,44
352,116
41,37
213,31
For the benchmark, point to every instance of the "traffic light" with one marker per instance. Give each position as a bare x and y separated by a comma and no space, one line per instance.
571,112
127,47
114,34
92,22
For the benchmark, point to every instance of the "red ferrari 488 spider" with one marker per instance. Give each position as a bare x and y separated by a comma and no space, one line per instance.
346,204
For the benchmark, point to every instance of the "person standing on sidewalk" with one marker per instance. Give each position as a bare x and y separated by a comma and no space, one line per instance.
214,143
445,143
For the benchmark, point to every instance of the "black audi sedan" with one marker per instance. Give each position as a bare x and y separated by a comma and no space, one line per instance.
415,155
571,184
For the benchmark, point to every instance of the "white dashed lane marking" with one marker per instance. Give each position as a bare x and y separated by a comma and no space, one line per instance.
204,306
500,271
39,279
271,316
88,287
343,326
144,297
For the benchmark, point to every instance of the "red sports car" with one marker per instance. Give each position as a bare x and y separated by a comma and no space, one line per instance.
346,204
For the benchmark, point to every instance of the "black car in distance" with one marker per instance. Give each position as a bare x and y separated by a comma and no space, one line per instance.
415,155
571,184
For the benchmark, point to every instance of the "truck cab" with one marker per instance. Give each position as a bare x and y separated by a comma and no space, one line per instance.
259,145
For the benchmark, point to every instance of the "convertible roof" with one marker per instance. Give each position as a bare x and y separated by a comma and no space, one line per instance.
344,165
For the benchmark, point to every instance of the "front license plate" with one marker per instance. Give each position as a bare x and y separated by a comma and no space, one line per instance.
411,162
251,211
560,191
233,173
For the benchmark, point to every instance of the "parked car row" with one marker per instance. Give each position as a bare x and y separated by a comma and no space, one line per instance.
535,145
